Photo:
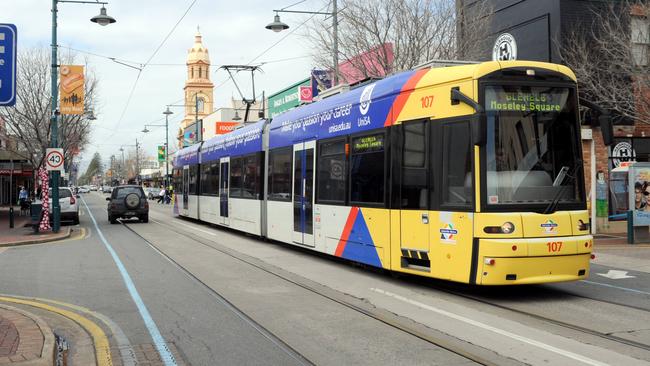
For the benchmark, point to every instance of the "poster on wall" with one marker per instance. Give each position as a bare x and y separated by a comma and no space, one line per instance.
639,188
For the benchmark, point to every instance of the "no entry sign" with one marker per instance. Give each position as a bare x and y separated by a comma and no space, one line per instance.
54,159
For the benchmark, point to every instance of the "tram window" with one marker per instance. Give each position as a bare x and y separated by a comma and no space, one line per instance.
367,164
280,174
235,177
332,172
251,170
210,179
194,184
456,165
415,190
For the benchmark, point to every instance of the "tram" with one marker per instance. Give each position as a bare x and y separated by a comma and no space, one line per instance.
468,173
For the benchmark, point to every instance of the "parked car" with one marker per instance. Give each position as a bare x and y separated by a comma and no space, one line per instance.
69,205
151,192
84,189
107,189
93,187
128,201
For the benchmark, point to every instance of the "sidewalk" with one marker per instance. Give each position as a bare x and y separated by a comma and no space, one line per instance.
613,250
22,233
25,339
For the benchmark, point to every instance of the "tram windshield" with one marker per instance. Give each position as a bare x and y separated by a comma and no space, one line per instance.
532,145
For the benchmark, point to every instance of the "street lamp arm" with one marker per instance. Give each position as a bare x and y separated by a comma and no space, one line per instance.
82,2
303,12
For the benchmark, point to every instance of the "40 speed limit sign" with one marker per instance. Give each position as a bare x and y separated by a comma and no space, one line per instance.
54,159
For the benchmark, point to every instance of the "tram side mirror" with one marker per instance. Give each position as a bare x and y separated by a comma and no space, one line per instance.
606,128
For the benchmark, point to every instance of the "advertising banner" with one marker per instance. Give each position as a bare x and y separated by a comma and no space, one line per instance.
71,89
321,80
286,99
639,188
161,153
223,127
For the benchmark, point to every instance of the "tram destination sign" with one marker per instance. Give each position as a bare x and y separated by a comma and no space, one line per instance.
525,101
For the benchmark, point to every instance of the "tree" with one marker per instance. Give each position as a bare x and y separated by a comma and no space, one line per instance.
94,168
28,122
610,56
417,30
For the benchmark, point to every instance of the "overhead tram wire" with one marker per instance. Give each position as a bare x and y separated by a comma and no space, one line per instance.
128,101
277,42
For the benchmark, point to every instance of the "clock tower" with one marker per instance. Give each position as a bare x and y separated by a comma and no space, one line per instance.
198,88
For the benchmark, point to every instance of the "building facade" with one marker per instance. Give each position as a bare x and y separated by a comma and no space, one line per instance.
198,91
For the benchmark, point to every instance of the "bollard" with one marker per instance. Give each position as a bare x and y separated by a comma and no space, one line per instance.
11,217
630,228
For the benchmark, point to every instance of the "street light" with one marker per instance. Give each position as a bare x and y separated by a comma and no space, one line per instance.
167,113
101,19
277,26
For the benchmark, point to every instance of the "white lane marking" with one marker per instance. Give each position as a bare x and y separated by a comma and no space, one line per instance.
158,340
615,274
617,287
502,332
186,225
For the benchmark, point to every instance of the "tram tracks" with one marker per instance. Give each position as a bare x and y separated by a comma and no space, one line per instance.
444,341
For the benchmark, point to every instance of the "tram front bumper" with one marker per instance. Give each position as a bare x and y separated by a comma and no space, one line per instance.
533,260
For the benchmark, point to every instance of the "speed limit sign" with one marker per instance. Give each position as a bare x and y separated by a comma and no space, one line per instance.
54,159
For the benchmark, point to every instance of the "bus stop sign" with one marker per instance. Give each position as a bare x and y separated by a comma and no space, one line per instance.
8,36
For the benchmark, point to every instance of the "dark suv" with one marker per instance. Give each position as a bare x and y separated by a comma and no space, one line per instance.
128,201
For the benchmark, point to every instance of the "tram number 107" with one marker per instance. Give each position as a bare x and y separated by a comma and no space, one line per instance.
554,246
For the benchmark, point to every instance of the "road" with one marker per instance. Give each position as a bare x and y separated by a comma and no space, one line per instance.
211,296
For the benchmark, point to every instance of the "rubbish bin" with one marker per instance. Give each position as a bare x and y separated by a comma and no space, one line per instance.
35,211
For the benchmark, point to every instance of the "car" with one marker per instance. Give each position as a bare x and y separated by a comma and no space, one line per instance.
106,189
127,201
93,187
69,205
152,192
84,189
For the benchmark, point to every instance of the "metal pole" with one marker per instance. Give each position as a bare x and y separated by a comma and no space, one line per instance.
54,131
11,195
196,116
335,39
167,150
137,162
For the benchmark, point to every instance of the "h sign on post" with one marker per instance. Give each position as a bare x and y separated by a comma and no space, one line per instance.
54,159
8,37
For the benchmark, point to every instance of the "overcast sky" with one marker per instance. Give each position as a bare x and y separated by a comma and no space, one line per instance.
233,31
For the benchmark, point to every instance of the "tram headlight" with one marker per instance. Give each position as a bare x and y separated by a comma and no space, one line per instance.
507,227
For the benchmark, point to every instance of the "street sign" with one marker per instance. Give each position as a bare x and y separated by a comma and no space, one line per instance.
8,38
54,159
161,152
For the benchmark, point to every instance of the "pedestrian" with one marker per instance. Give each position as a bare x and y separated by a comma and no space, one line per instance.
170,192
161,195
22,199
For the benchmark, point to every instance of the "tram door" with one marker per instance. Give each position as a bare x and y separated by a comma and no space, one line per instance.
303,193
186,189
224,180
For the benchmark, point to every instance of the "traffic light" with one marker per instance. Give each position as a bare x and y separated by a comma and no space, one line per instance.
161,153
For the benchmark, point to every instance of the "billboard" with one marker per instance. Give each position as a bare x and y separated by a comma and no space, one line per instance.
321,80
287,98
71,89
224,127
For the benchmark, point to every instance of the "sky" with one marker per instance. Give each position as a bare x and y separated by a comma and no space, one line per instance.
233,32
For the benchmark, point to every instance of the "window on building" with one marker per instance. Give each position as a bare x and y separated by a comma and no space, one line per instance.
332,172
252,173
235,177
640,28
200,72
280,174
456,165
192,72
367,167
